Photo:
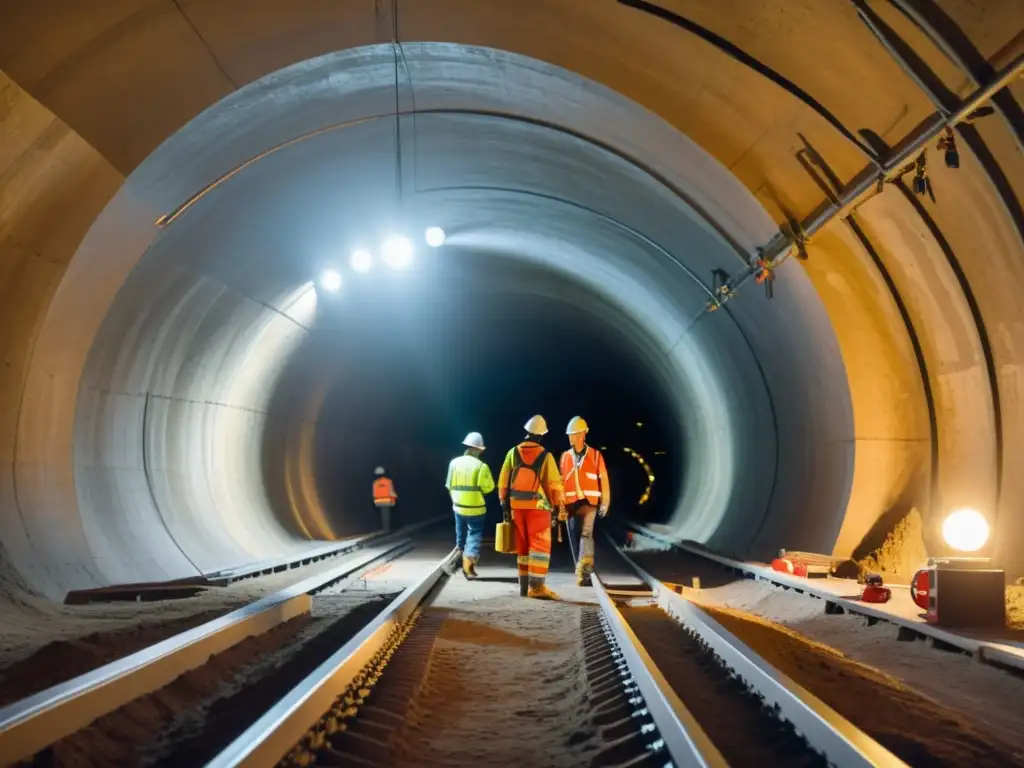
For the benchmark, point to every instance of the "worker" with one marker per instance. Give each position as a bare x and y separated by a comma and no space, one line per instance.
529,488
469,480
384,498
587,493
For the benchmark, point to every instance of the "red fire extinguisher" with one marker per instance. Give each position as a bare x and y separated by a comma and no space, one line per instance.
919,589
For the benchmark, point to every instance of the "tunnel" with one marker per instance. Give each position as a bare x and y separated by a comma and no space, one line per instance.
182,393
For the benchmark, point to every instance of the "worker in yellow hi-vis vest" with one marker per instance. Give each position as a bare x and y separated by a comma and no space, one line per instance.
469,480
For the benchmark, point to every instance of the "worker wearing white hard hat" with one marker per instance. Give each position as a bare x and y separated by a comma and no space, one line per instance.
384,498
469,480
529,488
587,494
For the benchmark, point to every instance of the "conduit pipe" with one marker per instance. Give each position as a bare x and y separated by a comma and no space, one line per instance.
782,246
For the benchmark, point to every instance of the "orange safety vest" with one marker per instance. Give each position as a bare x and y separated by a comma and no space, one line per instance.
524,479
582,481
384,492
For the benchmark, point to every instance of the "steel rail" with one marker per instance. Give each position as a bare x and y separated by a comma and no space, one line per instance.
987,651
274,734
36,722
684,739
825,730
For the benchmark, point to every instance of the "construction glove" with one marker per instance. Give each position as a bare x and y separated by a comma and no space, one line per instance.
602,510
506,512
562,514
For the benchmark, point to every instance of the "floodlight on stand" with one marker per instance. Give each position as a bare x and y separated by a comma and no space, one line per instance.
397,251
330,280
361,260
965,530
434,237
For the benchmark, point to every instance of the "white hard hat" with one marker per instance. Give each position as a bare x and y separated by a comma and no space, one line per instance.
536,425
379,471
474,440
577,424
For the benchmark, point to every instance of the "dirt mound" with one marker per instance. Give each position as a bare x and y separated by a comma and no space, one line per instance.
902,553
1015,605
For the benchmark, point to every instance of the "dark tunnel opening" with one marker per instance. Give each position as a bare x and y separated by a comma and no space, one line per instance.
406,365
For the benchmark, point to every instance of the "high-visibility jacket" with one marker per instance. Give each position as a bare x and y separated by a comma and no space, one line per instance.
384,492
585,478
529,478
469,480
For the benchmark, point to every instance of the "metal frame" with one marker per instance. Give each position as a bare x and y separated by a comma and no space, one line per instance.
828,732
34,723
271,737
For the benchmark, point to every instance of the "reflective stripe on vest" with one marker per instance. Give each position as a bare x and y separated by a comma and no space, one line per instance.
465,489
581,476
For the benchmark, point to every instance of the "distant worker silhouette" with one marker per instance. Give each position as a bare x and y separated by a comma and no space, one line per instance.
468,481
587,493
384,498
529,487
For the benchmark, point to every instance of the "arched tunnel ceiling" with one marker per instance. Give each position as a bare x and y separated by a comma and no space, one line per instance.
927,325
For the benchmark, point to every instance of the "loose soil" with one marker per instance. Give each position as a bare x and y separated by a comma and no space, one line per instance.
974,708
720,702
916,729
62,660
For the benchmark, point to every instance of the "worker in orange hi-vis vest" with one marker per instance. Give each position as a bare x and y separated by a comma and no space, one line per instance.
529,488
384,498
587,493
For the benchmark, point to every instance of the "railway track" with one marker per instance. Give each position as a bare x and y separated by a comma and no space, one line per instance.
77,721
468,673
450,672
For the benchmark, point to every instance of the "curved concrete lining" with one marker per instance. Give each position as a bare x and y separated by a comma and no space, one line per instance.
216,323
198,312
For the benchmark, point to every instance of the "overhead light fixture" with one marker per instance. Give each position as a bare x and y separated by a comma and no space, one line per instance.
434,236
965,529
330,280
361,260
397,251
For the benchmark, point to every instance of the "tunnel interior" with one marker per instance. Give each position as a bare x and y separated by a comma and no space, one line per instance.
223,349
191,398
467,342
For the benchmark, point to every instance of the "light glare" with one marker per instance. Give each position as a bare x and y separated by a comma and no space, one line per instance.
397,251
966,530
361,260
435,237
330,280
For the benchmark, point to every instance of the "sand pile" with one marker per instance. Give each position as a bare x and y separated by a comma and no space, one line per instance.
902,553
1015,605
506,684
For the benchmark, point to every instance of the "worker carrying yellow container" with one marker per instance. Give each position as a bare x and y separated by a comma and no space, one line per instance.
529,488
587,493
384,498
468,481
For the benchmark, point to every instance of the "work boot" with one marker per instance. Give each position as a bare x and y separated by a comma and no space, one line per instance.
542,592
583,579
468,568
524,585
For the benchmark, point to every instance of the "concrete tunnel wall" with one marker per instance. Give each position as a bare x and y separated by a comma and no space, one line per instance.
742,121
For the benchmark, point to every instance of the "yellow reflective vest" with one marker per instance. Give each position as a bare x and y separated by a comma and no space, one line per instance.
469,479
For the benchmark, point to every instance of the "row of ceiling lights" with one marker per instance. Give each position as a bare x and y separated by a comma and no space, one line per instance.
396,251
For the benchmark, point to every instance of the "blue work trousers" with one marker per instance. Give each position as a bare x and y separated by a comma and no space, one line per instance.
469,534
